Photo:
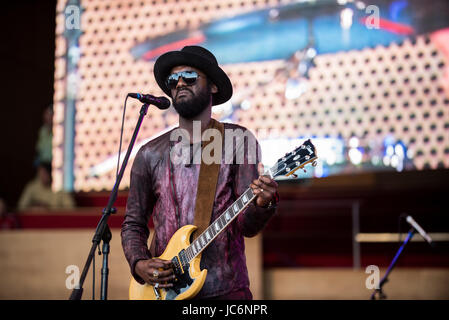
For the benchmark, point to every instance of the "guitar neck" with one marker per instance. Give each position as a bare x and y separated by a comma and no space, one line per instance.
201,242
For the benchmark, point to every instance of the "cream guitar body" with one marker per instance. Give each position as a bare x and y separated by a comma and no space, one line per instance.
187,284
186,256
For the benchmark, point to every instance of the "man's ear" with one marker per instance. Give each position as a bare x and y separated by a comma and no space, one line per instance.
213,88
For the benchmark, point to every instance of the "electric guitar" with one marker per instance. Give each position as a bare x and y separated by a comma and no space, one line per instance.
186,256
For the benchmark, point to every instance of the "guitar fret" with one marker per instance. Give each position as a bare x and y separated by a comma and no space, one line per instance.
219,224
212,231
240,203
198,246
222,222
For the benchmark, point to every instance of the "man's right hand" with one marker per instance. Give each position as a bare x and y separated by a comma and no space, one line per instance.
164,270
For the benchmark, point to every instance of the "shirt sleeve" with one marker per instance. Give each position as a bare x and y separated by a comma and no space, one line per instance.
254,218
139,206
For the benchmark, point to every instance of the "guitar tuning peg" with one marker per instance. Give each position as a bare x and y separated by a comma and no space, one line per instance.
314,163
294,176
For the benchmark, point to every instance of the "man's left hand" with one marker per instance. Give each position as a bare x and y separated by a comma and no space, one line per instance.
265,188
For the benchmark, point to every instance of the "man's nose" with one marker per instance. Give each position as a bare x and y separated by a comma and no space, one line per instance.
181,82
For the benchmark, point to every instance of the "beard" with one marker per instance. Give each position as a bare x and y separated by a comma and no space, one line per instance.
192,107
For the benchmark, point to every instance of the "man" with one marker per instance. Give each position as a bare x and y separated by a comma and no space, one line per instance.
167,190
38,195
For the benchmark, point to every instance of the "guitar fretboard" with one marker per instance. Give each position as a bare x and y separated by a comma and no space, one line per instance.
201,242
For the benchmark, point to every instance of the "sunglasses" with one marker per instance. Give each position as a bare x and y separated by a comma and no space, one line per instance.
189,78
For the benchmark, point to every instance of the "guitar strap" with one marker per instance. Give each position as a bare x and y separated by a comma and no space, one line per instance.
207,186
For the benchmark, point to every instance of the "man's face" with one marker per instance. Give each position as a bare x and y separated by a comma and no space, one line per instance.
44,176
190,100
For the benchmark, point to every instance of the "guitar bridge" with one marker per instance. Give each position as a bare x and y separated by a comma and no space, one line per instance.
181,270
156,293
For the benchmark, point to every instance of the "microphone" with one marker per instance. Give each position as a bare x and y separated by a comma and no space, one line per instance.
418,228
160,102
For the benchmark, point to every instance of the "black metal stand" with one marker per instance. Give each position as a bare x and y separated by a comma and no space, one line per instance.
103,232
390,268
105,270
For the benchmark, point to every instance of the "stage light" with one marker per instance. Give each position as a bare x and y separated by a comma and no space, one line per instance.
394,161
346,18
390,151
331,158
354,142
360,5
355,155
273,14
295,88
245,105
375,160
399,150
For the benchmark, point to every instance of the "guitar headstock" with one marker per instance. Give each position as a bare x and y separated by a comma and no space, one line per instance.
297,159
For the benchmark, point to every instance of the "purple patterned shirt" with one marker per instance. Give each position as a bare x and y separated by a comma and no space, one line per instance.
151,195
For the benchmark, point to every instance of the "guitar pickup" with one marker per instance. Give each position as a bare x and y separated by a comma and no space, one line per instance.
177,266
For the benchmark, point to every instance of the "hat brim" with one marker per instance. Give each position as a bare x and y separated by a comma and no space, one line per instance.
166,62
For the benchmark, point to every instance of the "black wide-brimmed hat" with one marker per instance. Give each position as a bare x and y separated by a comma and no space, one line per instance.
197,57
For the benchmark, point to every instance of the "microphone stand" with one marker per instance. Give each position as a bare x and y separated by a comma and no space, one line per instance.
390,268
103,232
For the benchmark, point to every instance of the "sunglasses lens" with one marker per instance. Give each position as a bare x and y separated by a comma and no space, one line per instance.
172,82
189,77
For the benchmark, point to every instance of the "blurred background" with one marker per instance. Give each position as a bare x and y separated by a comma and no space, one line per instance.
367,81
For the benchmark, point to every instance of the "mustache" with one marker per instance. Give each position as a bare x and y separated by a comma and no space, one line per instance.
183,89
